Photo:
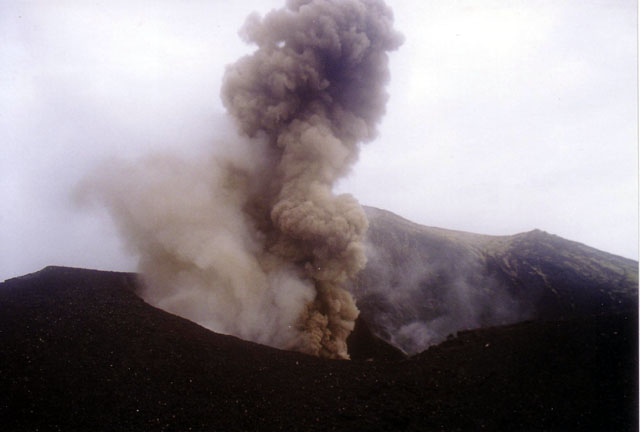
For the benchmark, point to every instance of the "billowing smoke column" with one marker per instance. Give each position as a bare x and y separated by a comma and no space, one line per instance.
315,88
254,242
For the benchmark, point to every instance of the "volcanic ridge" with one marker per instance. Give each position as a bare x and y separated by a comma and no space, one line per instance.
82,351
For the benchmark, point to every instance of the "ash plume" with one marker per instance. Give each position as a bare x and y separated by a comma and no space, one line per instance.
252,241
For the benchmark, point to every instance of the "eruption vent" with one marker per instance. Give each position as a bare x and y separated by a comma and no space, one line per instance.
254,242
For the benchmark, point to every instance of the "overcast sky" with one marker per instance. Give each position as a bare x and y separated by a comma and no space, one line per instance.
504,116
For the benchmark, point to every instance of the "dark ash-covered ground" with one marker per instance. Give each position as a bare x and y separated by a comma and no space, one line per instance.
80,351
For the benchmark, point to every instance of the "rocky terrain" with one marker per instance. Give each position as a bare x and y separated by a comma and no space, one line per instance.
81,351
422,284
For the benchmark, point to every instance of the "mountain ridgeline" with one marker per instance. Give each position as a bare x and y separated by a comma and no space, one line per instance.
81,351
422,284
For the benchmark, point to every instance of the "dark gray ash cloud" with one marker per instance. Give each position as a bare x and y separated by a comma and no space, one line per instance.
254,242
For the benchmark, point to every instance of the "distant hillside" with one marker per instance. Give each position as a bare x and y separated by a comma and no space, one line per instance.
81,352
423,283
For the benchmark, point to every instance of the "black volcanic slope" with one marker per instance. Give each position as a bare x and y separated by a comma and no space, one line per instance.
423,283
81,352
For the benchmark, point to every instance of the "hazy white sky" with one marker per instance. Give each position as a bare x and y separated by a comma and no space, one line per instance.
504,116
